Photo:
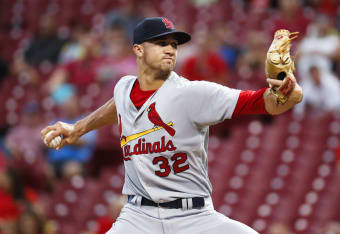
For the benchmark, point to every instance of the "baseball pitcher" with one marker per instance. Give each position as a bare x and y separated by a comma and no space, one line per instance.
164,122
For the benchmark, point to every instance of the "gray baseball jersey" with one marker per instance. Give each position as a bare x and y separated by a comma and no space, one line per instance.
165,142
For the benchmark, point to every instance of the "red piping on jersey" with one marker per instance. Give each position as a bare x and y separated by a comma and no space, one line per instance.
250,102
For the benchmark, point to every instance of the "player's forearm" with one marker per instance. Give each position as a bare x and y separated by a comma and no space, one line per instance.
275,108
105,115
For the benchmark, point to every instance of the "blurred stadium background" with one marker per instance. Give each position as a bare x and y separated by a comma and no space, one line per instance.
60,59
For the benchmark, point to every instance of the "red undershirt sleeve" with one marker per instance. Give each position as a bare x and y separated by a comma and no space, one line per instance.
250,102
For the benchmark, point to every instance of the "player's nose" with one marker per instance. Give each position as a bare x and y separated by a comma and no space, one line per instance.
169,49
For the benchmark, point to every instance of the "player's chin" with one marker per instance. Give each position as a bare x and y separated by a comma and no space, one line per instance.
167,67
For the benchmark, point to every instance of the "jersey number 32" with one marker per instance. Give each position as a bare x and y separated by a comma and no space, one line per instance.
179,164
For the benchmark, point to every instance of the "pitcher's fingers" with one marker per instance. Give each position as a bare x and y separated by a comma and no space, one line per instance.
56,129
274,82
47,129
62,129
62,143
53,135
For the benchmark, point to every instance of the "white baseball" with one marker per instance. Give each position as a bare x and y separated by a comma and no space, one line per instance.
54,142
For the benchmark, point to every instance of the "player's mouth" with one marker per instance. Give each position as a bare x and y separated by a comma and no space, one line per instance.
168,59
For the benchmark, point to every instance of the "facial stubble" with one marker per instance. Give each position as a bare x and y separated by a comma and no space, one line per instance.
161,71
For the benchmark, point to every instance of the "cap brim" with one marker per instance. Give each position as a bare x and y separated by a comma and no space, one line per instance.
181,37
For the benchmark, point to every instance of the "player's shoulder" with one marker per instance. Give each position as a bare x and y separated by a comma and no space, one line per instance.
122,86
182,82
125,81
178,81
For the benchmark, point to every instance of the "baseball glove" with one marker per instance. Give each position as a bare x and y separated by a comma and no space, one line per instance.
280,66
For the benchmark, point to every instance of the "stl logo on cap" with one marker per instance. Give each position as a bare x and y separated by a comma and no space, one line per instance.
168,23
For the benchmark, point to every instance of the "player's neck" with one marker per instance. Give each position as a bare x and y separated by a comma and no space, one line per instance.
148,83
151,80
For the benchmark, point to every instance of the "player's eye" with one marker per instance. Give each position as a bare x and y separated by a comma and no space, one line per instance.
165,43
162,43
174,45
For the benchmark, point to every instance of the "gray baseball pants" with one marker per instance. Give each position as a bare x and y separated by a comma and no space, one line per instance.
137,219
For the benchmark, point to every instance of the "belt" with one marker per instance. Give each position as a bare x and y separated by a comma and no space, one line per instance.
197,202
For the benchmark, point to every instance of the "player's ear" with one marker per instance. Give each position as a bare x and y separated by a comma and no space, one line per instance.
138,50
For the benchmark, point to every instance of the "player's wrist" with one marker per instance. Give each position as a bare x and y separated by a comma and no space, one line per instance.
78,129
